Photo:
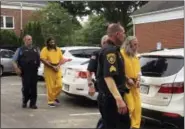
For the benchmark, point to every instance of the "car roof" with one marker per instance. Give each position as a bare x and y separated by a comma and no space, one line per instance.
5,49
166,52
79,47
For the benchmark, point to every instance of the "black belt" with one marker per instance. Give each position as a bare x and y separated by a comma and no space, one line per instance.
110,95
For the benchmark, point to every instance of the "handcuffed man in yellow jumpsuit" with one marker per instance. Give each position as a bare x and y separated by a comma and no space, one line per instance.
132,72
52,58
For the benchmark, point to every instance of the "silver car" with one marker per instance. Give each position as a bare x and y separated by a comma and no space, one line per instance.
6,65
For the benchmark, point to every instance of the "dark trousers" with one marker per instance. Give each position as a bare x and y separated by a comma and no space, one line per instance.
29,85
110,116
100,124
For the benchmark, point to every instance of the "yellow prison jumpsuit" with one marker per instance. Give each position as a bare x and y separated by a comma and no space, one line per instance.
52,78
133,100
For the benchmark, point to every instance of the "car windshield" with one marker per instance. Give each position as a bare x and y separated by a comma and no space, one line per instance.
159,66
63,51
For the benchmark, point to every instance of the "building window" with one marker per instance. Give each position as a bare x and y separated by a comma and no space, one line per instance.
7,22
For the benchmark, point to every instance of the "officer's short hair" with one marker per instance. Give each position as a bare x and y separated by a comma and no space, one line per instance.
113,28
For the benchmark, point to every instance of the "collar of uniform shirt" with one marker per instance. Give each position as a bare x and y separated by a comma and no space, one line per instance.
112,43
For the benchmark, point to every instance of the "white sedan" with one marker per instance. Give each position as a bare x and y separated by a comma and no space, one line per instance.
78,54
75,81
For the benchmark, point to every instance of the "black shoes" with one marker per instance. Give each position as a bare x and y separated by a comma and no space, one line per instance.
24,105
57,101
33,107
52,105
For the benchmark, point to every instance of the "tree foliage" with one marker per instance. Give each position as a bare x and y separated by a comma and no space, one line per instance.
34,29
95,29
92,31
76,8
57,22
8,38
113,11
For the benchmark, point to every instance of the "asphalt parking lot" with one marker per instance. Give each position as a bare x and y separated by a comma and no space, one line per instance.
71,113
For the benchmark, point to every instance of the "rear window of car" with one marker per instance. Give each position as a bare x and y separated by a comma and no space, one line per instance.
158,66
63,51
83,53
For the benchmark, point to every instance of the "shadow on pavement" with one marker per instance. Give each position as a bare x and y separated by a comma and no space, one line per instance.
8,74
81,101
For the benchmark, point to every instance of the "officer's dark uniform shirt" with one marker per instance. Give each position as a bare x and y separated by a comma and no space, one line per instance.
111,65
25,56
93,63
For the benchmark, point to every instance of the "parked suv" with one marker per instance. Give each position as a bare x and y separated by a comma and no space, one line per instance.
162,86
6,65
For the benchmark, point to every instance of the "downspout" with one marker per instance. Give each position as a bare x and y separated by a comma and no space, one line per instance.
21,17
133,23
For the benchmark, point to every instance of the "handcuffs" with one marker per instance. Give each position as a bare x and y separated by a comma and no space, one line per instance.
90,83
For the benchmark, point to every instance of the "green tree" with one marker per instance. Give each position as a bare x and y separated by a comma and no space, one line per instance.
76,8
34,29
92,31
95,29
8,38
58,23
113,11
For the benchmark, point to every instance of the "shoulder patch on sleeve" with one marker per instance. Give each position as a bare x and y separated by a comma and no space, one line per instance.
112,69
111,57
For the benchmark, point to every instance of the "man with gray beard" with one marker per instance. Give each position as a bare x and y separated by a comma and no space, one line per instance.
132,72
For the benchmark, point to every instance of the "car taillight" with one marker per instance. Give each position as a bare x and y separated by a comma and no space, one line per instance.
82,74
171,114
175,88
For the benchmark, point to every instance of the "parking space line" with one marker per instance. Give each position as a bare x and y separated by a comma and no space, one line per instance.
85,114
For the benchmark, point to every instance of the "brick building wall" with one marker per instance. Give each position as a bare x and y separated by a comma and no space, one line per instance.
16,13
169,33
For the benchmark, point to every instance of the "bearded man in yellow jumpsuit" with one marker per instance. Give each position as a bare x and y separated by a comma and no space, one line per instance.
132,72
52,58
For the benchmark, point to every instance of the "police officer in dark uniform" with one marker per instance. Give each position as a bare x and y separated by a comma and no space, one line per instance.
111,81
26,62
92,68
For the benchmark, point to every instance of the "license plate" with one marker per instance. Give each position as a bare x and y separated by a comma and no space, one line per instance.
144,89
66,87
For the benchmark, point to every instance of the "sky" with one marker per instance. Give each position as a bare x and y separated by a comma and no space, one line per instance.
83,19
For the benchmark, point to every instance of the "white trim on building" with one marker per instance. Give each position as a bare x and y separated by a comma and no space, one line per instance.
157,16
24,5
18,7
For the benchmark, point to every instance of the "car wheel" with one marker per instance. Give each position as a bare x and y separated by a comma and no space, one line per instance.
1,70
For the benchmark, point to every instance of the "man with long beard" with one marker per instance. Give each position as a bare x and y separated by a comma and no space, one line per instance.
132,71
52,58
